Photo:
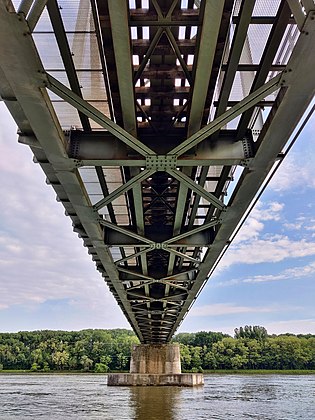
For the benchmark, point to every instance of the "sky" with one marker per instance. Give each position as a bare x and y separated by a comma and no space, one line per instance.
48,281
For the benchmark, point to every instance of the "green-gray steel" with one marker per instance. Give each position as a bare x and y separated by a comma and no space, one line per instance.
165,158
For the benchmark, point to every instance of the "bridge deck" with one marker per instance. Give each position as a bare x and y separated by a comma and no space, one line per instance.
157,123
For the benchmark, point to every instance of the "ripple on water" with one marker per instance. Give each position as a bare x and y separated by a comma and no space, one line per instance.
224,397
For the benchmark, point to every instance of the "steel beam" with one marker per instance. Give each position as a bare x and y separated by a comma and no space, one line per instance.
297,12
25,6
276,34
291,103
66,55
179,55
183,256
193,231
239,37
24,72
118,13
63,92
123,189
229,115
106,150
135,255
203,67
148,54
143,241
180,176
35,13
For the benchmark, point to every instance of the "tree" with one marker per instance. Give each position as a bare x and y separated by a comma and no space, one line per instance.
86,362
185,357
37,356
253,332
208,338
196,354
34,367
209,360
60,359
122,361
254,349
184,338
101,368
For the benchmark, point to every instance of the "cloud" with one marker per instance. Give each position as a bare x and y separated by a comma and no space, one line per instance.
293,226
294,273
221,309
293,326
253,245
275,249
311,226
296,172
41,259
254,225
297,169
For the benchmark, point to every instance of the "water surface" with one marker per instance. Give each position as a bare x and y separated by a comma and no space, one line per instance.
264,397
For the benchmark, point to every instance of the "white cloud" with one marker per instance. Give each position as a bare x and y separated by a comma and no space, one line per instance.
293,326
252,246
294,273
271,250
221,309
41,259
310,227
293,226
254,225
295,172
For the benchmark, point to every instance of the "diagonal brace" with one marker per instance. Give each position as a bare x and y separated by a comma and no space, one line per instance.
174,276
182,255
63,92
192,231
123,188
245,104
176,49
148,54
180,176
127,232
135,255
133,273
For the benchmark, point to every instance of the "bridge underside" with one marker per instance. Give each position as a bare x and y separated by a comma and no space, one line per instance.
157,123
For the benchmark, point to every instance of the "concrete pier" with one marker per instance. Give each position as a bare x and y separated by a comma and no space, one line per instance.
155,365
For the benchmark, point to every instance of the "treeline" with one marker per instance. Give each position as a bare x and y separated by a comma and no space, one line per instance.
247,350
109,350
87,350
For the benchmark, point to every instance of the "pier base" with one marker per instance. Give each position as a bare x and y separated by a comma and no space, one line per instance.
155,365
138,379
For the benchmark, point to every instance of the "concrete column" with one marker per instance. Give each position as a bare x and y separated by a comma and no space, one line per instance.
155,365
159,359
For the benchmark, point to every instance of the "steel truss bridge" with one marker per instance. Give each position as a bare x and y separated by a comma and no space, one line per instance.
157,123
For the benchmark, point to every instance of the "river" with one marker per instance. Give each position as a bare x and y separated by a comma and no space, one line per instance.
263,397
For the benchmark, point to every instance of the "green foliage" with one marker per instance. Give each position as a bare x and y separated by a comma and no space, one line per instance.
86,363
109,350
46,367
200,339
101,368
254,332
67,350
34,367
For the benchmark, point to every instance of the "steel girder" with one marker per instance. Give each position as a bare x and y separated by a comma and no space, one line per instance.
172,147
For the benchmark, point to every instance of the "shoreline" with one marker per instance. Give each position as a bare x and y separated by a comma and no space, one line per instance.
205,372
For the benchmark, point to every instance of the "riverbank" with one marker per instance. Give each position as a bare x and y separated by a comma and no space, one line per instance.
206,372
259,372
